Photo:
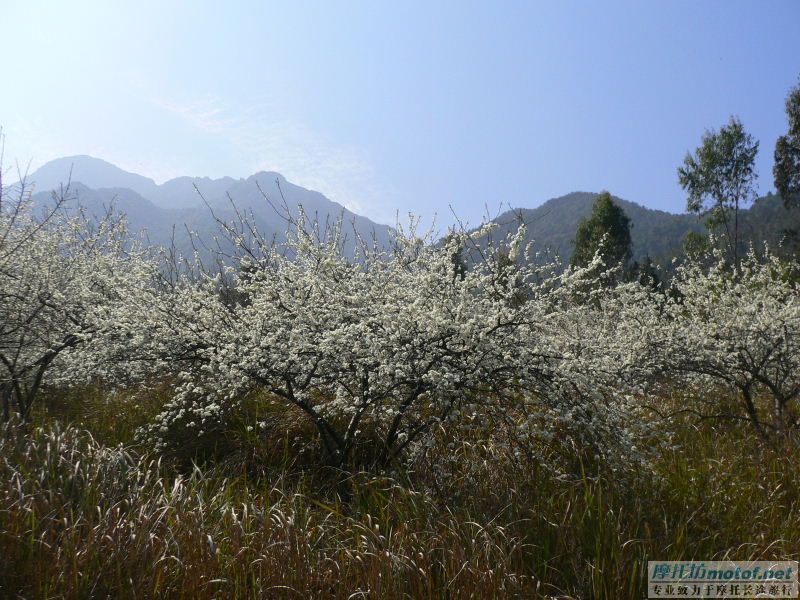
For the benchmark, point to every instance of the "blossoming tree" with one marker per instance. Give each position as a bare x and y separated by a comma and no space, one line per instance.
58,273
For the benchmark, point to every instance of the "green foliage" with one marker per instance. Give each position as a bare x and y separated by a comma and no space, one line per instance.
654,233
646,273
719,179
786,169
113,416
695,244
608,230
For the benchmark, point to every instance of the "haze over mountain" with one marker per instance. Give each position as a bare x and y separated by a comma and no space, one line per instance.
176,206
91,172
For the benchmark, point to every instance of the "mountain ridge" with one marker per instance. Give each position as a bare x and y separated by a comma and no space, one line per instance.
656,234
183,203
179,204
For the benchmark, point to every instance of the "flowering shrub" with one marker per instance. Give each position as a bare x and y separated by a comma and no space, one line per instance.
381,349
392,343
60,276
737,328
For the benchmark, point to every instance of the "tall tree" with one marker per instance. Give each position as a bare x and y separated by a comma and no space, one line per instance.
787,153
720,178
607,229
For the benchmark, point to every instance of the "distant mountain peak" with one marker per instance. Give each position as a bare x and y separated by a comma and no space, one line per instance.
271,175
93,172
168,210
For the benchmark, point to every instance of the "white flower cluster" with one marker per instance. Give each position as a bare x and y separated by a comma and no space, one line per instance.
62,276
740,330
392,343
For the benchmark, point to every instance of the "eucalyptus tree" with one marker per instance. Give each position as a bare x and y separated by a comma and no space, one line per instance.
786,169
720,179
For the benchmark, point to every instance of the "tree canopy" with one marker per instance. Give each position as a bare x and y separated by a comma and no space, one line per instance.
608,230
786,170
720,177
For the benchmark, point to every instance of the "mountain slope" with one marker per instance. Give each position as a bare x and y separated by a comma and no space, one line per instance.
654,233
182,192
92,172
176,206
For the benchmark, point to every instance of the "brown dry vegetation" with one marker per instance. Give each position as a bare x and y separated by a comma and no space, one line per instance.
81,517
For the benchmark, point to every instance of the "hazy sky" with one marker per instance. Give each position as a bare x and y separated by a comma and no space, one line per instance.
387,106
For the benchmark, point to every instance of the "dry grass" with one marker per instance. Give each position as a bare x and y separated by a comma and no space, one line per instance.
80,519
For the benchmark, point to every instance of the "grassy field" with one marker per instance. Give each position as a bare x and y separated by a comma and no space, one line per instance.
84,513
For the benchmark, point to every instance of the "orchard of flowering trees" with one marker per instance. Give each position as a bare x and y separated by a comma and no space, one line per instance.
382,349
376,350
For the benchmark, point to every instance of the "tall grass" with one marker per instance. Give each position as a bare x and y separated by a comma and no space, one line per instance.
83,519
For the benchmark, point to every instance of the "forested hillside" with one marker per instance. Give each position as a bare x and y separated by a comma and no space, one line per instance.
655,233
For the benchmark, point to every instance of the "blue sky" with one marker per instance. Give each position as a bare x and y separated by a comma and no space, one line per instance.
399,106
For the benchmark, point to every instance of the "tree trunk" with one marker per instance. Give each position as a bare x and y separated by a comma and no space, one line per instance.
736,238
752,412
6,403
